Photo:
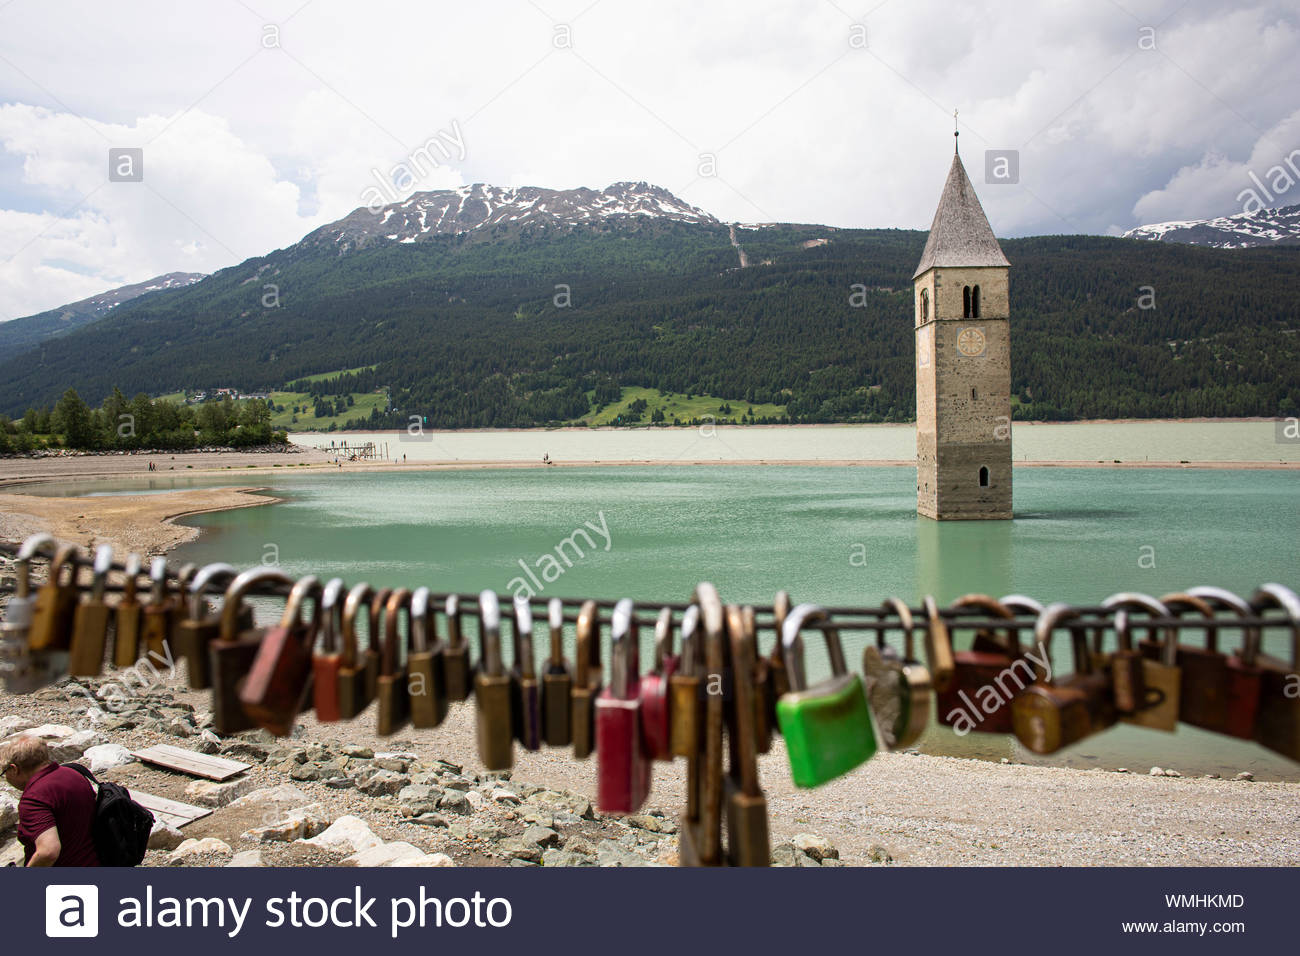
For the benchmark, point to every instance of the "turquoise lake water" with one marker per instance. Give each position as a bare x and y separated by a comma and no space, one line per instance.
833,535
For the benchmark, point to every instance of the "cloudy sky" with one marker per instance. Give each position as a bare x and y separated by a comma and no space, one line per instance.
260,119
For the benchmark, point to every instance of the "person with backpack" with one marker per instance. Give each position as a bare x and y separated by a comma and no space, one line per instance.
56,813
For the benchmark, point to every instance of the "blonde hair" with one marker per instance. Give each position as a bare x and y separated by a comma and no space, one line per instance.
26,753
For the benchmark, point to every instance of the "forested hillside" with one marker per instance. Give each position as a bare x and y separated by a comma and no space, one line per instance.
514,330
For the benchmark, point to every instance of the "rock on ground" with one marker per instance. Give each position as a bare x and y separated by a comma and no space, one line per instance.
106,757
347,833
164,836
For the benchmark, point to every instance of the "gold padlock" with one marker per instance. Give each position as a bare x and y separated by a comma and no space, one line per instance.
492,690
91,620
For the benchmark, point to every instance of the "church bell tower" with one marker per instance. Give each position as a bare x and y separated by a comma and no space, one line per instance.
963,362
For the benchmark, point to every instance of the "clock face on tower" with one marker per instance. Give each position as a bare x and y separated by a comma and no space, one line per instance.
970,341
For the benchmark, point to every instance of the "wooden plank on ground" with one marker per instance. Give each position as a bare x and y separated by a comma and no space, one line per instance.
169,811
195,764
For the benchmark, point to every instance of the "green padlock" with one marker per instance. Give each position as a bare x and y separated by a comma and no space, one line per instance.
828,728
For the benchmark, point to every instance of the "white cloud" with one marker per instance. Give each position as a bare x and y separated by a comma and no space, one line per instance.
266,144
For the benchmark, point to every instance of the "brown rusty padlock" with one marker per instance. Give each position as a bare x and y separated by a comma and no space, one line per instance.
748,841
557,684
938,647
899,689
391,688
1245,686
1051,714
459,669
426,665
327,656
156,626
355,686
984,681
587,680
91,620
231,654
700,841
1203,690
199,627
492,702
1279,713
279,679
127,617
55,604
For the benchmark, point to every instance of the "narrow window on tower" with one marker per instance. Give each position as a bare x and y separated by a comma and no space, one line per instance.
972,394
925,305
975,302
965,302
984,477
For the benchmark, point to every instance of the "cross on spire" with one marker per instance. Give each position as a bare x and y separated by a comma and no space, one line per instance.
955,132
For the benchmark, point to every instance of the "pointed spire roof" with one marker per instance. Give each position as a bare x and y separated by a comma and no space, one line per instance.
960,234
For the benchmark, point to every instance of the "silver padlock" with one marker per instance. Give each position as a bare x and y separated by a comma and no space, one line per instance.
22,670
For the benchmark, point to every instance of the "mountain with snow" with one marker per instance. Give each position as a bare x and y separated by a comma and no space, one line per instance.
503,210
1266,227
31,329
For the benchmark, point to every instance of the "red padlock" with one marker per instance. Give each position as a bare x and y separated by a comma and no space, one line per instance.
656,730
622,764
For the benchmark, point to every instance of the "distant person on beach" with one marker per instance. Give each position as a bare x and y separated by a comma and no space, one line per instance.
57,808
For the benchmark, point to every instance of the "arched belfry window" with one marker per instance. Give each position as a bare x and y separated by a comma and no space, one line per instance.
965,302
984,476
925,305
975,302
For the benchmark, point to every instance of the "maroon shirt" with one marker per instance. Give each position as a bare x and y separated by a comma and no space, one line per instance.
63,798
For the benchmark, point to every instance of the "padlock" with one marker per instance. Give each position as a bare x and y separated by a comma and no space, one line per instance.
686,709
1203,691
184,578
1127,665
587,677
392,689
938,648
1245,684
1051,714
828,728
231,654
557,684
1161,676
764,688
426,665
355,687
199,627
700,837
327,655
375,639
656,725
22,669
90,621
901,692
127,616
525,691
748,841
459,671
156,626
622,764
278,684
986,677
495,725
55,604
1279,712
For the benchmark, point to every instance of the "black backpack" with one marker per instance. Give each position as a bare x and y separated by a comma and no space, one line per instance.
122,827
